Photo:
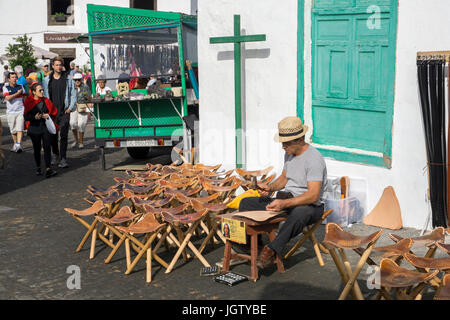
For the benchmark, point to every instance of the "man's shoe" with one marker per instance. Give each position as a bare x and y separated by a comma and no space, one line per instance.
19,148
266,257
73,145
38,172
81,146
13,148
63,163
50,173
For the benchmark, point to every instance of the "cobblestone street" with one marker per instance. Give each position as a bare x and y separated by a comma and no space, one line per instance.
38,240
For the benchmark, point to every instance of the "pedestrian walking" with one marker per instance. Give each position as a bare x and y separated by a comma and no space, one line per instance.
20,77
79,117
37,109
13,93
60,89
43,72
72,69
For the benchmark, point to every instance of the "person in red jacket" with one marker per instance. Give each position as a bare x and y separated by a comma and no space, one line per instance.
37,109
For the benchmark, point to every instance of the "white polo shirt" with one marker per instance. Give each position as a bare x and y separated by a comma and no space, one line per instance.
15,105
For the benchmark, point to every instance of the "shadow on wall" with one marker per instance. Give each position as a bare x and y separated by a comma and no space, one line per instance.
248,54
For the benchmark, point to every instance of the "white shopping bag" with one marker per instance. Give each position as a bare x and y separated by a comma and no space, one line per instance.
50,125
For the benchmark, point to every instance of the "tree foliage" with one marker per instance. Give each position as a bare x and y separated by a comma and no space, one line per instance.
21,53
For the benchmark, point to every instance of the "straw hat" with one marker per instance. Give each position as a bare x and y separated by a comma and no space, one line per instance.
290,128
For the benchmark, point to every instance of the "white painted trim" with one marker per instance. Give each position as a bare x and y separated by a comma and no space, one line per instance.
350,150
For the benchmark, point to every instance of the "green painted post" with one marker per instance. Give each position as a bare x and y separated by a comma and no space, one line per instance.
237,39
237,92
182,69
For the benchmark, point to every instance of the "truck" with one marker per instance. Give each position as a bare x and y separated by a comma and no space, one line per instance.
148,61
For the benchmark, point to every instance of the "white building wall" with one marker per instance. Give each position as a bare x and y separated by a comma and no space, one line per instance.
270,92
30,17
184,6
270,71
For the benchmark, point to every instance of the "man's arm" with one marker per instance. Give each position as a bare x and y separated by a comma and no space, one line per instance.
73,96
309,197
13,96
278,184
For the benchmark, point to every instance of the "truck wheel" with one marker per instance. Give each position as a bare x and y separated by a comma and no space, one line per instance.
159,151
138,152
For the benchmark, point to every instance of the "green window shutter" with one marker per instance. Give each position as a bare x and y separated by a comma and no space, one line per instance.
353,78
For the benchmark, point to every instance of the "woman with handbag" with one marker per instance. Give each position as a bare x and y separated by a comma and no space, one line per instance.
79,117
41,113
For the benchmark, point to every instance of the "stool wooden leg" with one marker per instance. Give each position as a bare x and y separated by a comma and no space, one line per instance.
180,239
341,269
353,278
88,233
227,256
317,249
93,240
253,256
183,245
127,252
117,246
349,270
149,265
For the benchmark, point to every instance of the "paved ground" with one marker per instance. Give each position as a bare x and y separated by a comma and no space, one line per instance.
38,241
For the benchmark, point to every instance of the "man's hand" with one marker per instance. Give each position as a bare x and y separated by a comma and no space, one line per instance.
68,110
45,116
38,116
276,205
264,189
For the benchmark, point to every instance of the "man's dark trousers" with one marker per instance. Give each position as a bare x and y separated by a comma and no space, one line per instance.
298,218
63,120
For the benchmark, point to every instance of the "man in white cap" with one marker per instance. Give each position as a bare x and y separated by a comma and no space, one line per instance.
300,188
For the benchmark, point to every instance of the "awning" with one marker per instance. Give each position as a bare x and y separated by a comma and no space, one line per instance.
40,53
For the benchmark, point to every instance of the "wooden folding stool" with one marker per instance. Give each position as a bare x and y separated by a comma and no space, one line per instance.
150,227
190,192
308,233
396,252
428,240
212,226
169,237
444,293
191,220
407,284
444,247
123,216
97,208
225,193
337,239
425,264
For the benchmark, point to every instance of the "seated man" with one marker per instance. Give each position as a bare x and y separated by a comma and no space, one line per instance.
302,184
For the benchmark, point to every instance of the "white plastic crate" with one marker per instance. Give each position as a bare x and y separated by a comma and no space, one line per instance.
345,211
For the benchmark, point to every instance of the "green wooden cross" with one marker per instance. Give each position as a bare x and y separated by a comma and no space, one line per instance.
237,39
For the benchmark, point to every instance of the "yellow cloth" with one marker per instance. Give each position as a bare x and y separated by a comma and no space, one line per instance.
249,193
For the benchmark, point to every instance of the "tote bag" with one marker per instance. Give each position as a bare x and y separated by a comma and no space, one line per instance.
50,125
